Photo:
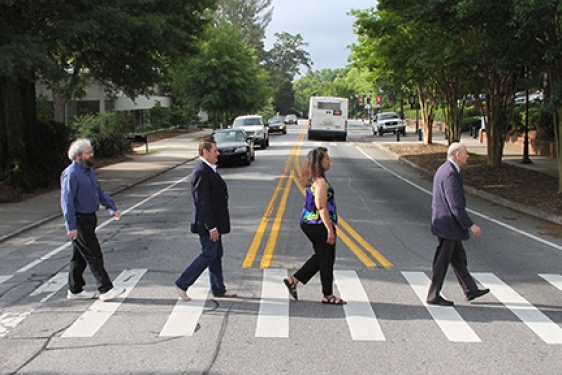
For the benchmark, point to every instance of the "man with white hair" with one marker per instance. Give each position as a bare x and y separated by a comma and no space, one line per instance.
451,224
81,196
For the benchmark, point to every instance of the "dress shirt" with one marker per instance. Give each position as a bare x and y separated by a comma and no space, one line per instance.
81,193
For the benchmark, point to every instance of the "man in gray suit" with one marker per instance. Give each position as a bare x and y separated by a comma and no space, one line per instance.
451,224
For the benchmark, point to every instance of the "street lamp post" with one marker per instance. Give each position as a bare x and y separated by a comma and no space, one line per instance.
526,159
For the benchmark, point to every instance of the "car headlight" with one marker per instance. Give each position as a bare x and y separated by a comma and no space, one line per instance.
259,133
240,149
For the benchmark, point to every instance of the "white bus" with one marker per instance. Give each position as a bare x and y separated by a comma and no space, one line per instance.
327,117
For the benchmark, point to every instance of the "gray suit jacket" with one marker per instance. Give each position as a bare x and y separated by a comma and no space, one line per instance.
449,218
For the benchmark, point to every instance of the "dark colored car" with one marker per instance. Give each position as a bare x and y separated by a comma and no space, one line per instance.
291,119
234,146
276,125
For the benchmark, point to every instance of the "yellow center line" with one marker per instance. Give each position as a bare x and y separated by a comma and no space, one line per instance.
256,242
276,227
271,245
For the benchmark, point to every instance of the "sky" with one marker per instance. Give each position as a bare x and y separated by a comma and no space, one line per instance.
323,24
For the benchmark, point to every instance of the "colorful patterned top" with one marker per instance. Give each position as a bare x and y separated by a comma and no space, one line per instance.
310,214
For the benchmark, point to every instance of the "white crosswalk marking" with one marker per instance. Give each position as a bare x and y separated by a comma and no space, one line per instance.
5,278
545,328
273,318
446,317
359,314
554,279
93,319
52,286
185,315
10,320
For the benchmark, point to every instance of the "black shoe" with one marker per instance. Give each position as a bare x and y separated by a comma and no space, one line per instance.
440,301
477,293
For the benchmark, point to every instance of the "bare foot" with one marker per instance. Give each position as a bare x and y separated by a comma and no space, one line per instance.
182,293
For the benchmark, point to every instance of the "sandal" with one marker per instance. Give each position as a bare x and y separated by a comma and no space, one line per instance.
291,285
333,300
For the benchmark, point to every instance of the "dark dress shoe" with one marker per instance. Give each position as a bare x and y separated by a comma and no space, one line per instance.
477,293
440,301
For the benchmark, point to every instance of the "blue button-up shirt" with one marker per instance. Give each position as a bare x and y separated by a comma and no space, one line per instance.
81,192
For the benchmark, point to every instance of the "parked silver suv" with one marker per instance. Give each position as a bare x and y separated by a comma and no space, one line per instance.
254,127
388,122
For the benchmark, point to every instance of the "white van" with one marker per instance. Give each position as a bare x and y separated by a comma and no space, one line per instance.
327,117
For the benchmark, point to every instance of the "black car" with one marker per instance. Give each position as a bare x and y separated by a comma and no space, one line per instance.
277,125
291,119
234,145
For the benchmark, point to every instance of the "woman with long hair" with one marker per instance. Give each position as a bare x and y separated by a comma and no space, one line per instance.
318,222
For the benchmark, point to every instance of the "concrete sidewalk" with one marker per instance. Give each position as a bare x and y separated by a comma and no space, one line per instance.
18,217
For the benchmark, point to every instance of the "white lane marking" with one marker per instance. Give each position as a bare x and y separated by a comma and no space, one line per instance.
446,317
554,279
359,314
96,316
52,286
186,314
5,278
11,320
539,323
273,317
105,223
486,217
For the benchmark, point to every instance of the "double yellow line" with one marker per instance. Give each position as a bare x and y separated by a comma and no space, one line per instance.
360,247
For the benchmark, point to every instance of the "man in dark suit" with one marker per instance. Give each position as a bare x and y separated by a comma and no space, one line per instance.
210,220
451,224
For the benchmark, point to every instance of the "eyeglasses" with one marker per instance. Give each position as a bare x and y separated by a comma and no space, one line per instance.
89,152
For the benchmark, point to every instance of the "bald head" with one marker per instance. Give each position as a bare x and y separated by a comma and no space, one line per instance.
457,153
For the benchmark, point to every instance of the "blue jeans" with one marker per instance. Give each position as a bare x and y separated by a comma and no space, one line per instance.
211,257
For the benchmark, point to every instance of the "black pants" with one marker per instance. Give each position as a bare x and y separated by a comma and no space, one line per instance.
322,260
86,251
450,252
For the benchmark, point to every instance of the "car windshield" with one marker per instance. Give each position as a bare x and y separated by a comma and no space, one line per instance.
234,136
387,116
276,120
247,121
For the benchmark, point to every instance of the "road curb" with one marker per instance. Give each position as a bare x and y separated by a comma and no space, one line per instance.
531,211
115,191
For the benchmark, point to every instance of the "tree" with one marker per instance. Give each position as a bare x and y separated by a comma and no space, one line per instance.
542,22
224,78
250,17
125,44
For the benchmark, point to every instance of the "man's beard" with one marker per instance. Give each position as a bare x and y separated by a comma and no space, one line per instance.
90,162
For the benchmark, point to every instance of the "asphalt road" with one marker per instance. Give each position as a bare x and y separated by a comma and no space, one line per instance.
384,255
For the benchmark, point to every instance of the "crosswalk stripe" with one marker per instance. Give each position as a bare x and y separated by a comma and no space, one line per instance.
273,318
52,286
11,320
554,279
539,323
93,319
359,313
5,278
446,317
185,316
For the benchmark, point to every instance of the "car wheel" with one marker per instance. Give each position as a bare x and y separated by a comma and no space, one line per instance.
253,157
404,132
381,133
267,142
248,160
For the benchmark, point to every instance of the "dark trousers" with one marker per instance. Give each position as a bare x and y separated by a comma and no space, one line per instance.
322,260
450,252
86,251
211,257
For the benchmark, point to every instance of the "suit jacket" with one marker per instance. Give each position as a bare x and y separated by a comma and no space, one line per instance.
210,200
449,218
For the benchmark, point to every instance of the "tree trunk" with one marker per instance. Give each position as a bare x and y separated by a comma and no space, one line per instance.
59,112
18,121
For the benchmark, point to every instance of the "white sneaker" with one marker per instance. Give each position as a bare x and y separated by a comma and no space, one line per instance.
82,295
112,293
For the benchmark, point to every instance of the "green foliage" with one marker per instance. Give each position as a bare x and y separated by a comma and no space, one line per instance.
224,78
44,163
160,117
109,145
